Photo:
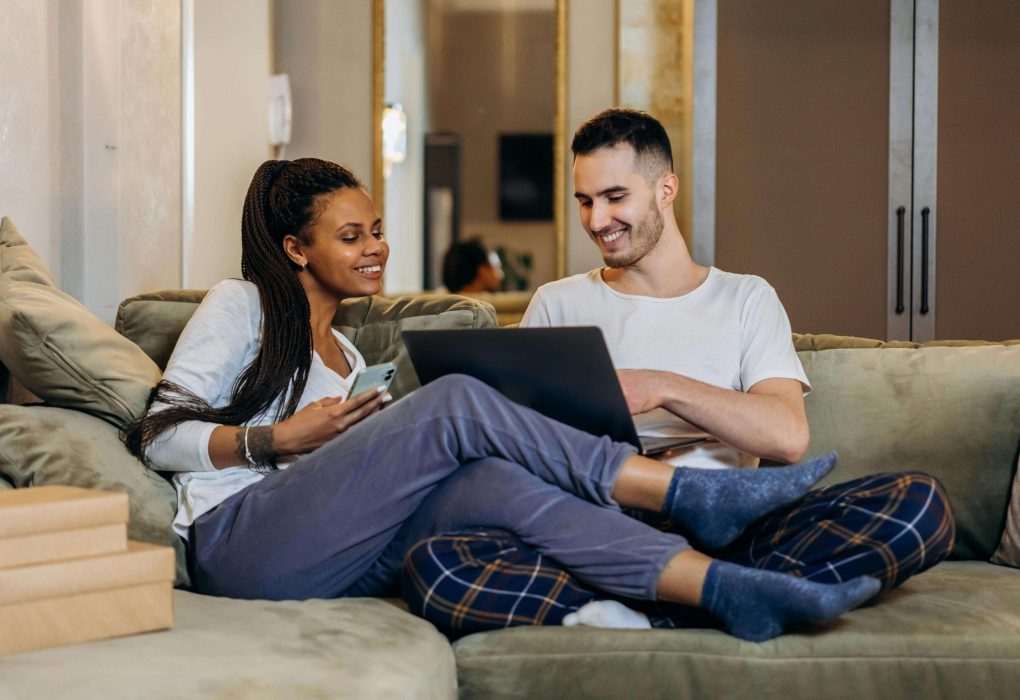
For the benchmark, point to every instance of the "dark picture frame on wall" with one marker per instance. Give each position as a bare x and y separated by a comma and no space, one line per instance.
526,177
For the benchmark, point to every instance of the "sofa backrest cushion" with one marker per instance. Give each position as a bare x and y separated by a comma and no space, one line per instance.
953,412
154,321
40,445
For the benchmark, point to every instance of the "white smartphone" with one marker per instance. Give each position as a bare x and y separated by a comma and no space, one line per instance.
373,377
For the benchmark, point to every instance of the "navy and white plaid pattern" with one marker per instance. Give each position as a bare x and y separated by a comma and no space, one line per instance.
890,526
479,580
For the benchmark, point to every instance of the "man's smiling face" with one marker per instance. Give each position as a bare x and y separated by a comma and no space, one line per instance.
618,204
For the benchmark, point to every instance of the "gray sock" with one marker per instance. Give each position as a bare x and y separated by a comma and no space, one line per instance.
756,605
715,505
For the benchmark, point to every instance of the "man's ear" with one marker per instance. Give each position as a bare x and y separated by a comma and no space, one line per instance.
667,189
293,249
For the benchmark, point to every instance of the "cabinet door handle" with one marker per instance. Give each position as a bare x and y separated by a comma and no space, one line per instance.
924,261
899,259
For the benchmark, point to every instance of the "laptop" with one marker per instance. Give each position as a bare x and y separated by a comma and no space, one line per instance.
564,373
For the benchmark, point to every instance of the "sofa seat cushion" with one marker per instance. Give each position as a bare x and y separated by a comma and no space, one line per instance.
953,631
223,648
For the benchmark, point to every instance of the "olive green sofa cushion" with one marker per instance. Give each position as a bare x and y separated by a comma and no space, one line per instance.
953,412
68,357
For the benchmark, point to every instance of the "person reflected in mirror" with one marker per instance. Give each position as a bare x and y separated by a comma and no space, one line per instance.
468,268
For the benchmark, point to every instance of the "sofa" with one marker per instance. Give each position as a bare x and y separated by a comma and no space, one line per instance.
951,409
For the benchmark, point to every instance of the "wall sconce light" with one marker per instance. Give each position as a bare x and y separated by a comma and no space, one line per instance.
394,136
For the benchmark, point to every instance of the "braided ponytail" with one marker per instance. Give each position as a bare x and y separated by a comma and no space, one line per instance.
282,199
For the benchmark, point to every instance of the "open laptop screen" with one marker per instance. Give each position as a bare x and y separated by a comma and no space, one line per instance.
565,373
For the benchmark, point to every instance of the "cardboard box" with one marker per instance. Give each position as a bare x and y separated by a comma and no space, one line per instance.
30,511
69,574
84,617
138,564
64,544
77,600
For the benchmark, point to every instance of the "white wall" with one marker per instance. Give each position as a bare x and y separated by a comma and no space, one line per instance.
89,141
29,123
231,76
150,146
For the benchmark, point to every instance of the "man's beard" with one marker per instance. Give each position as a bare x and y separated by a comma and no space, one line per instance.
642,239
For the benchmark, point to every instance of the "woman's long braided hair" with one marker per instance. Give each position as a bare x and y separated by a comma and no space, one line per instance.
283,199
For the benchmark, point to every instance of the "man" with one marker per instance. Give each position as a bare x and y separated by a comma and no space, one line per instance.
698,351
701,347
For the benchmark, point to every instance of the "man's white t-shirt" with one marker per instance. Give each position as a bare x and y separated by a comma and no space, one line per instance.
730,332
220,340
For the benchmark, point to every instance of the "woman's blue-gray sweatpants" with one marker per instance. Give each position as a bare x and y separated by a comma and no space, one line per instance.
340,520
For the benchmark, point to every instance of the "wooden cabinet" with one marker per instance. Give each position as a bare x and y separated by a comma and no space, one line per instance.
868,162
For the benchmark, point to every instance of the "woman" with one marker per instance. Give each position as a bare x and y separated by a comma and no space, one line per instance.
288,488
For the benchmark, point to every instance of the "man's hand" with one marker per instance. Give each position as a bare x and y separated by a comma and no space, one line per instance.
643,388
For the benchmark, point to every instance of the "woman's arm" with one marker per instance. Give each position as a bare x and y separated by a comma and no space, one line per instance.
311,427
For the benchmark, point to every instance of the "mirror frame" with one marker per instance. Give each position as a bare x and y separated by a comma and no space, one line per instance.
559,123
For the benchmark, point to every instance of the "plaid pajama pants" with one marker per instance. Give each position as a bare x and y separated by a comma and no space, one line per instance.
890,526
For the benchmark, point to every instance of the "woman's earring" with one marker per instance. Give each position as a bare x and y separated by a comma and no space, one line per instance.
304,266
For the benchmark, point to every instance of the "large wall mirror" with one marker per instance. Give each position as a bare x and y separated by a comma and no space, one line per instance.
469,113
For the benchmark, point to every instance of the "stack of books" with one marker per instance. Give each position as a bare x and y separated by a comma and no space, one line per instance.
69,574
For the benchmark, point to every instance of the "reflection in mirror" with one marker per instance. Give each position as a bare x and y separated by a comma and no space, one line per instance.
476,81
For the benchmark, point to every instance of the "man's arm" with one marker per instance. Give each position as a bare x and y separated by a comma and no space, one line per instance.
768,421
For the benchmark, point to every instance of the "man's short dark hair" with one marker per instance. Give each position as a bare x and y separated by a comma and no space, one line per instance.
461,263
639,130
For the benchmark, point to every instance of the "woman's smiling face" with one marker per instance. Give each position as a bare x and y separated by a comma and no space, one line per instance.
344,246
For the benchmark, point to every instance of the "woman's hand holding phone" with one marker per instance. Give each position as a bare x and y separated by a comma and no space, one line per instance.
322,420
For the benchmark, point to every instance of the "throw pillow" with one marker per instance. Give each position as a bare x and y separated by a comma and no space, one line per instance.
67,357
18,260
41,445
1008,551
